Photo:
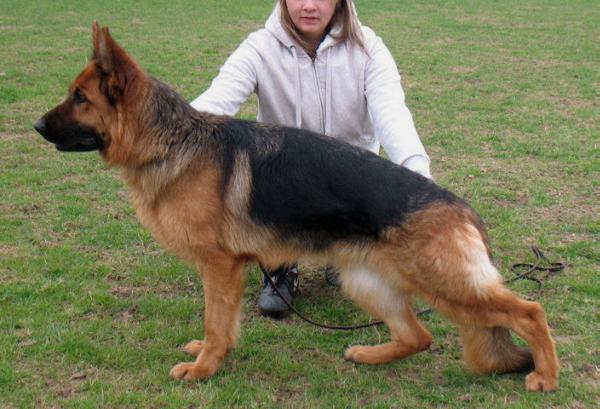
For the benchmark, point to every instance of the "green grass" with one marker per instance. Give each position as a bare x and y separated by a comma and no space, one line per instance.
506,97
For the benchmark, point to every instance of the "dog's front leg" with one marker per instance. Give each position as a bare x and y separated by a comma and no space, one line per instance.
223,278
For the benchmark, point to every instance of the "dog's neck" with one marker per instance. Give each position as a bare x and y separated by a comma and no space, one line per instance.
174,132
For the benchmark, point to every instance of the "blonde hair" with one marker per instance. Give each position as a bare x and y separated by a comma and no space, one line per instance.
344,16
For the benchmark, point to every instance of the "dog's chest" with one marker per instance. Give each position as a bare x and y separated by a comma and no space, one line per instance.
184,219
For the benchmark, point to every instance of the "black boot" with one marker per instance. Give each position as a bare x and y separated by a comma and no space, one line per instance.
286,280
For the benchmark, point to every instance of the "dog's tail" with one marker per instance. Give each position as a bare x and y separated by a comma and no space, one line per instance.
493,350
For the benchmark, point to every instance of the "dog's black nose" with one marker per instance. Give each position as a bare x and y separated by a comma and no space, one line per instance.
40,125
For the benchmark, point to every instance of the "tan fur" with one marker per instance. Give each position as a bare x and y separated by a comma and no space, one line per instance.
440,253
488,350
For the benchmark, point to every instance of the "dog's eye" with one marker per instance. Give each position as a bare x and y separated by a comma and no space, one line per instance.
79,97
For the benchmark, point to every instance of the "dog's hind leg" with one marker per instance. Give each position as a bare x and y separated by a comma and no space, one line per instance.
459,280
223,279
389,304
487,343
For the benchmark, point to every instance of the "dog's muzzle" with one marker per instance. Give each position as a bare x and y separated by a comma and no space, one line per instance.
70,138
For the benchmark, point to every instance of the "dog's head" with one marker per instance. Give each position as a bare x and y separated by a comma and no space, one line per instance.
89,118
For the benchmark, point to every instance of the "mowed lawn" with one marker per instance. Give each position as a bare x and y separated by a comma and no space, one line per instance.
93,313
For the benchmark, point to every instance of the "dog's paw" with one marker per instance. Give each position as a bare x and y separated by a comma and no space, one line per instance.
357,354
193,347
536,382
190,371
180,371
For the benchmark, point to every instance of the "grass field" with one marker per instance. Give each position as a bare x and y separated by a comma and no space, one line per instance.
506,97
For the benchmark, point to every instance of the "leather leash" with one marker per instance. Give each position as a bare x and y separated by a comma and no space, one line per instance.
530,270
527,271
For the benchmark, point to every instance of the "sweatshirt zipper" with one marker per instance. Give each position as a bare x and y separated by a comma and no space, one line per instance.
319,94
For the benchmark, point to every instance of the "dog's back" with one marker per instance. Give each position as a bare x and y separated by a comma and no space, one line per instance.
322,189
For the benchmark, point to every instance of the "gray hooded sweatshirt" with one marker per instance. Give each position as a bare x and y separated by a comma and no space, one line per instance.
344,92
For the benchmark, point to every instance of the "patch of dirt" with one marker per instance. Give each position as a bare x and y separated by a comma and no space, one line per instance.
77,376
31,209
163,290
80,29
313,284
124,291
592,370
15,136
131,314
8,251
464,70
137,21
24,336
67,385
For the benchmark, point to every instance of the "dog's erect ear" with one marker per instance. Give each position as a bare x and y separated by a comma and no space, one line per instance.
113,61
103,48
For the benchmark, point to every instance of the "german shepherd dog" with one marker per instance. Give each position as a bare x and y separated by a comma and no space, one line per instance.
221,192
